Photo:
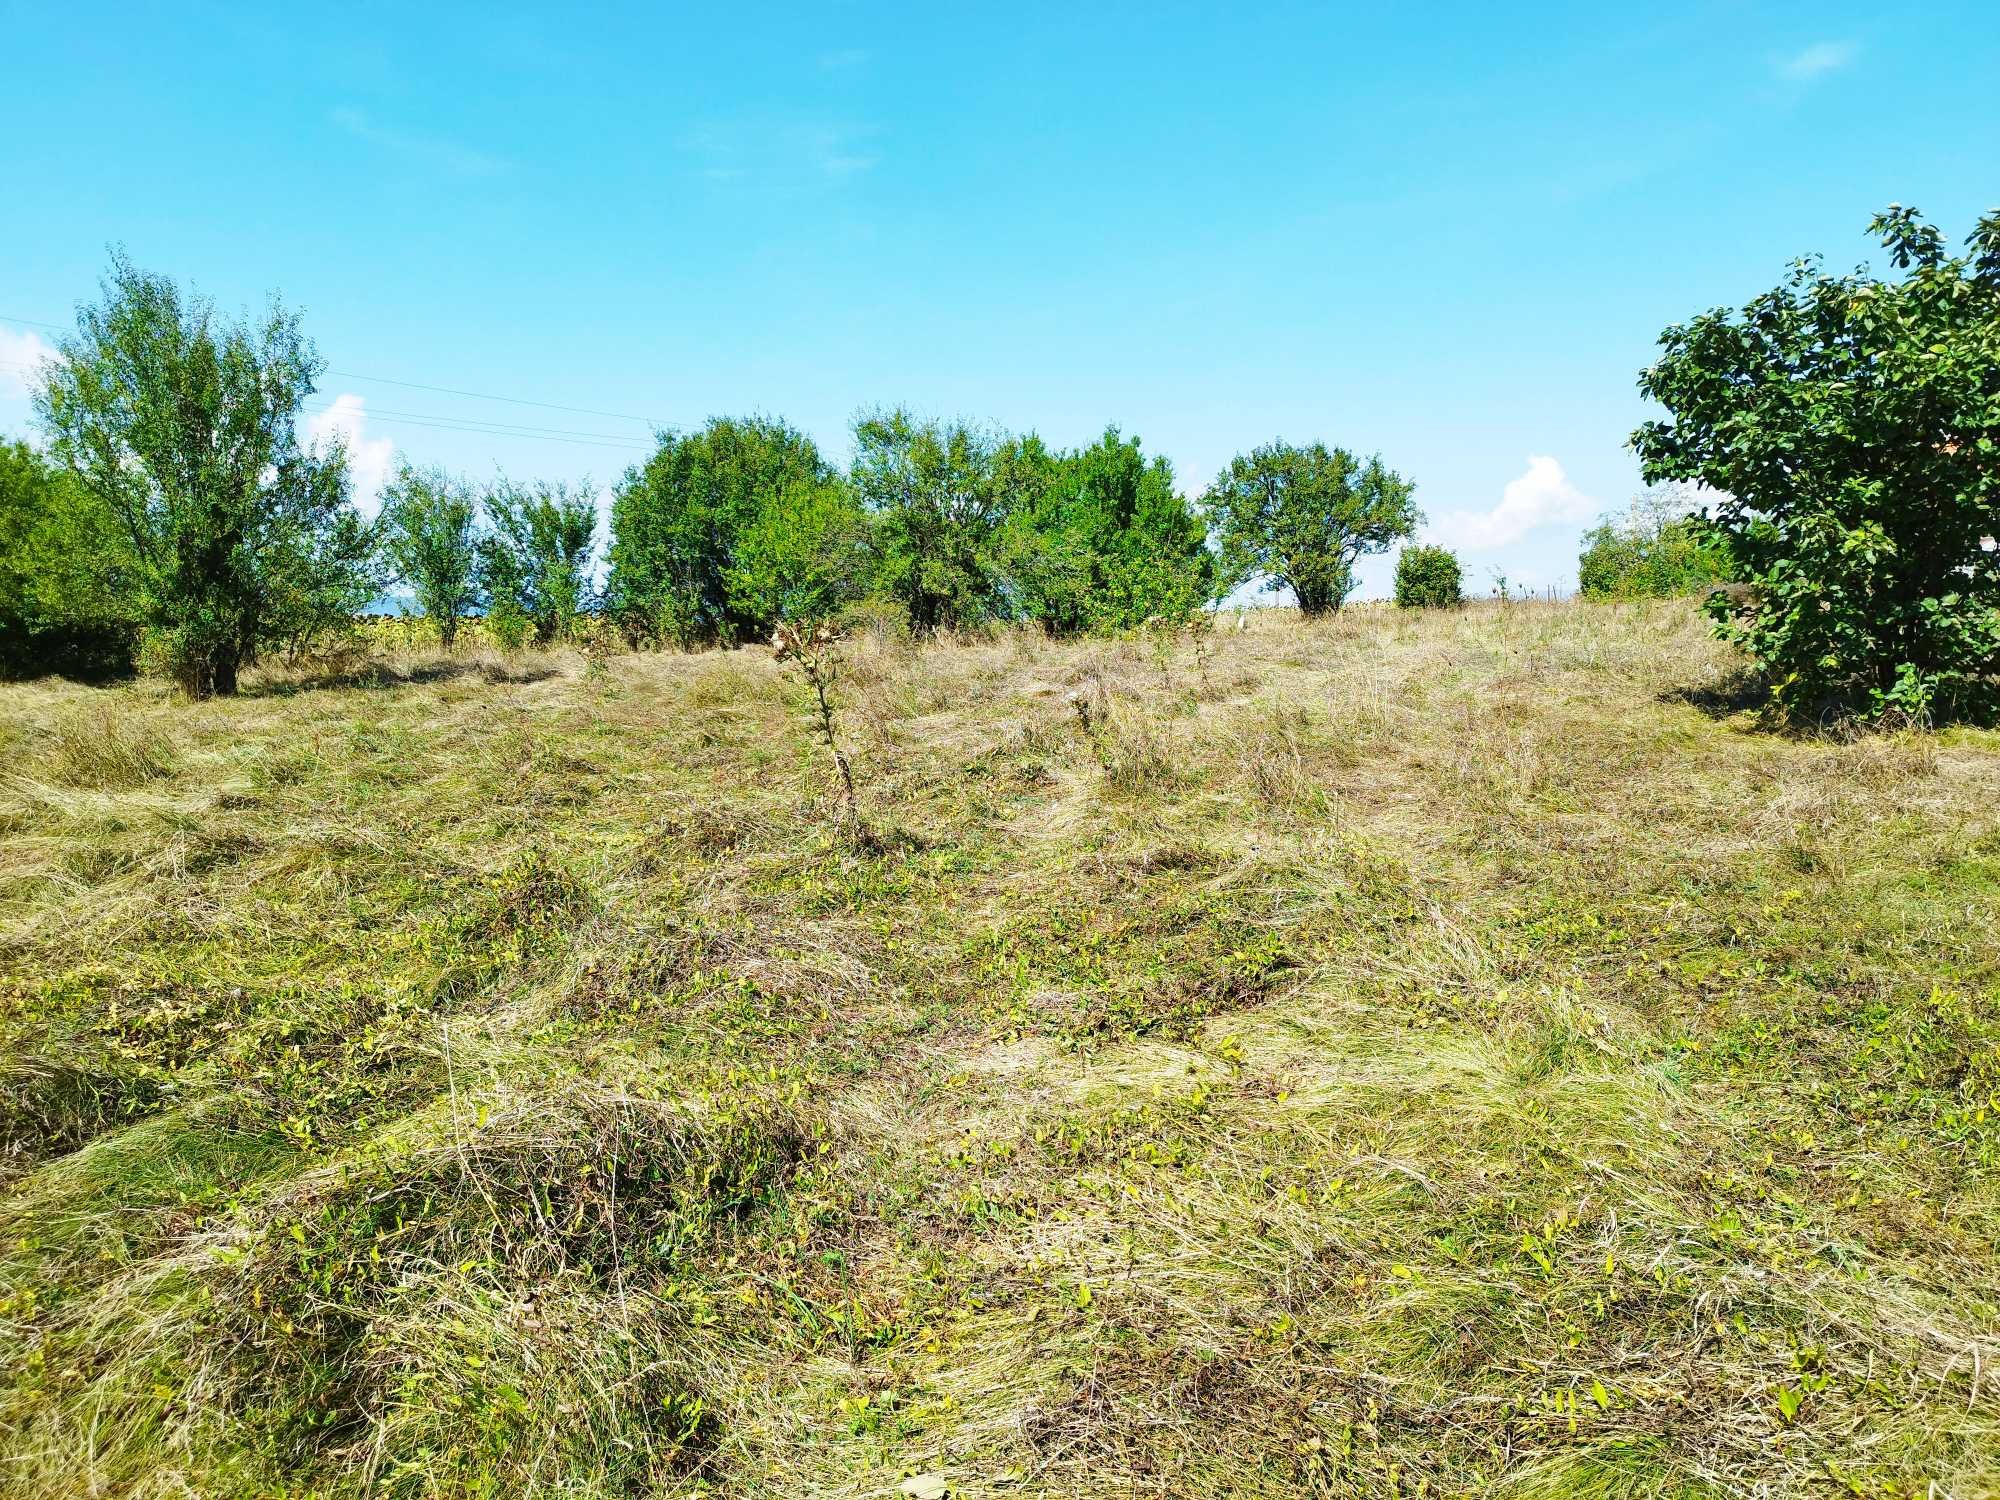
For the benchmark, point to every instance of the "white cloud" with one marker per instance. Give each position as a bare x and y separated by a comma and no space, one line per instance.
21,355
1542,496
369,460
426,150
771,148
1811,62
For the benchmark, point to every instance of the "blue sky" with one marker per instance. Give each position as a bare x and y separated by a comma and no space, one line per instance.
1446,233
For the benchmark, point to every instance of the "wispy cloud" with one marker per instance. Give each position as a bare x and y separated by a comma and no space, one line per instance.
431,151
369,460
1541,496
732,150
1810,62
842,59
21,356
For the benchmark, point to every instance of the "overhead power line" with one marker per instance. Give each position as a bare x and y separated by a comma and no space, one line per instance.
445,390
415,385
473,425
480,424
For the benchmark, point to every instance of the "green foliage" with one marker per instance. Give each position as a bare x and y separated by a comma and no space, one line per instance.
1852,425
1620,563
802,557
184,429
1099,539
534,565
1301,517
1662,550
64,570
1429,578
677,522
941,496
429,532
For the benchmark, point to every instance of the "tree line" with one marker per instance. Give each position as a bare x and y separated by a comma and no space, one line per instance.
177,516
1836,442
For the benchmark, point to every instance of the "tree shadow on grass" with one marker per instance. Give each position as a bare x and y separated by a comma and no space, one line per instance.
1837,716
1742,690
381,675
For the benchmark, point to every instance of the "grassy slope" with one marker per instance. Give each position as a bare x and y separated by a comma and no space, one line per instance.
1412,1057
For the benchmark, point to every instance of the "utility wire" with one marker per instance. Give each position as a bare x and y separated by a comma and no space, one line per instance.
474,425
442,390
445,390
480,424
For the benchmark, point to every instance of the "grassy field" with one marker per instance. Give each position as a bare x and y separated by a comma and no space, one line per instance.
1399,1056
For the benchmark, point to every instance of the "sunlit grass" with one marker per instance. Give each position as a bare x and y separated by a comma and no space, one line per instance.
1404,1055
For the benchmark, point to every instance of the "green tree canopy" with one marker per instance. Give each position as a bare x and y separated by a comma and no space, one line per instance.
941,497
65,574
184,428
1300,518
1852,426
1100,538
676,521
804,556
430,535
534,565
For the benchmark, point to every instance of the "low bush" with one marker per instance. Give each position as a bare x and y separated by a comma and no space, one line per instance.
1429,578
1648,562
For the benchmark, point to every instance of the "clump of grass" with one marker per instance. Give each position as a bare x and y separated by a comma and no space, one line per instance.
498,1290
95,747
52,1105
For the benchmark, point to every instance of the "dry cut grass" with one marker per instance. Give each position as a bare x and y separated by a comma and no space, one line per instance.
1408,1055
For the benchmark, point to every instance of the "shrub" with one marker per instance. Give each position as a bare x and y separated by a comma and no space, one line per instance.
506,626
802,558
1100,539
677,525
1848,424
941,498
428,520
533,567
1661,550
1429,578
65,569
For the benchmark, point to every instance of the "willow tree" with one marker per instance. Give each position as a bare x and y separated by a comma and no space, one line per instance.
184,427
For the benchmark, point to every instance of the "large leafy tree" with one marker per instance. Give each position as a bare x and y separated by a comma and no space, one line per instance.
430,535
1100,538
941,497
1300,518
65,573
184,428
676,521
534,564
1852,426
